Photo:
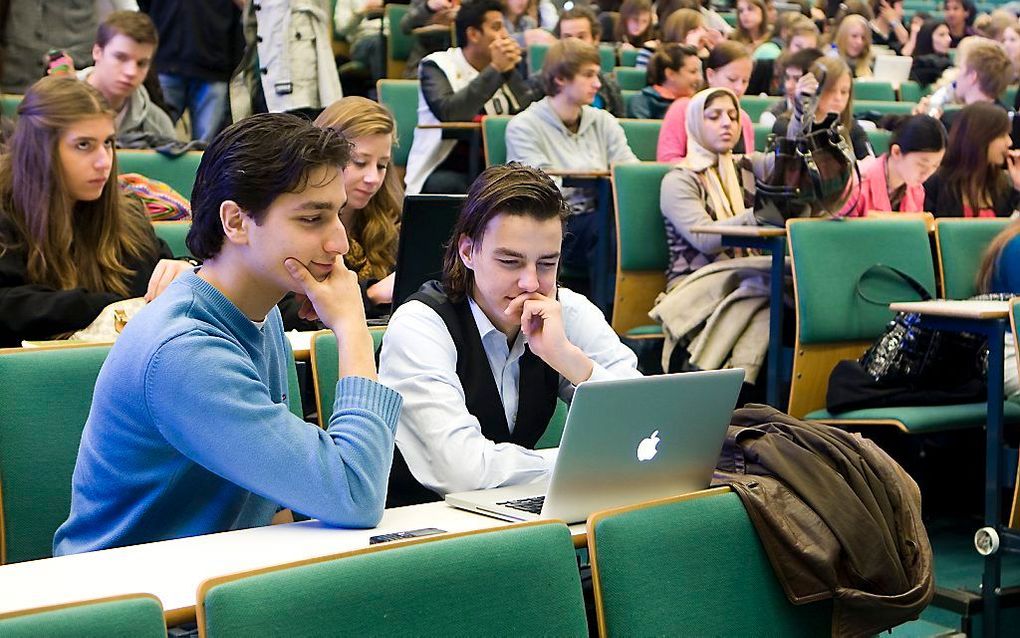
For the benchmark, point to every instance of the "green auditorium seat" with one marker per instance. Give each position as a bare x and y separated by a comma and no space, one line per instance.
691,566
398,44
874,90
961,245
630,78
325,362
755,105
520,580
174,234
642,137
401,98
177,172
134,616
494,138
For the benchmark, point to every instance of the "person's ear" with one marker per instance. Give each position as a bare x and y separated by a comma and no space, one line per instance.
234,222
465,249
473,34
709,76
895,151
97,52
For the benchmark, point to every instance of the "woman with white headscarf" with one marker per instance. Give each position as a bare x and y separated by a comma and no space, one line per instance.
708,186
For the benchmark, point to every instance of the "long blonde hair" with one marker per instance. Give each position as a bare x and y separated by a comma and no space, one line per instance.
861,64
373,251
78,245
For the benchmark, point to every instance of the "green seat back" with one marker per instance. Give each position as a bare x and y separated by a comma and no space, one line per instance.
177,172
962,244
554,431
642,137
293,386
911,91
494,138
627,97
401,98
326,369
536,57
730,18
882,107
761,136
874,90
174,234
630,78
829,258
1009,95
642,233
131,617
607,57
9,103
398,43
880,139
755,105
47,394
628,57
693,567
519,580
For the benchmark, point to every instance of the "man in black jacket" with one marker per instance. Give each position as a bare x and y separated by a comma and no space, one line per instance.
200,44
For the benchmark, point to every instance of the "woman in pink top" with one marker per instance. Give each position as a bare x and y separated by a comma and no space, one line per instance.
895,181
728,66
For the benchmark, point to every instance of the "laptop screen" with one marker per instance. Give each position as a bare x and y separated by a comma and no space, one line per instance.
425,227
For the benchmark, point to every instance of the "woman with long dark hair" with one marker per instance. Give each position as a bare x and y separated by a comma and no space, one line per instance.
972,181
70,242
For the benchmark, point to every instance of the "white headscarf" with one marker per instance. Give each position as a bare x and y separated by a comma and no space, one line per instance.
718,169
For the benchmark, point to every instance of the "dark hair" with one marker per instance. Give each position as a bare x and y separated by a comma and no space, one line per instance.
503,189
968,6
965,168
631,9
924,44
134,24
918,134
472,15
670,56
252,162
725,52
803,60
579,12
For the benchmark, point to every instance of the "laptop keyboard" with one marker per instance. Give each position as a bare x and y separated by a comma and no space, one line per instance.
532,504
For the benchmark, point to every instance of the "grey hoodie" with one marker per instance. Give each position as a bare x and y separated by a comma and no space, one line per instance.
139,114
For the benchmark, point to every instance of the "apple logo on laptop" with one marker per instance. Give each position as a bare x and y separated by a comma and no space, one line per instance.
648,448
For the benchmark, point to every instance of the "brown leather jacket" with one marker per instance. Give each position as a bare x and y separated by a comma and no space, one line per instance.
837,516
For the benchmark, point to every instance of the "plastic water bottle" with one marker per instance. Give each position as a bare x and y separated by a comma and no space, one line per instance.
939,99
832,51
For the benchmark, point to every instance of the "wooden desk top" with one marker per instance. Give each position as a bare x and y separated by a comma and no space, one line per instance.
300,343
740,231
955,309
462,126
566,172
173,570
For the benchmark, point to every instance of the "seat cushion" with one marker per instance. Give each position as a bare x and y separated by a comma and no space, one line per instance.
650,330
922,419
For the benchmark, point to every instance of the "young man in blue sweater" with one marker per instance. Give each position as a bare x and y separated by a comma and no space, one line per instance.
189,431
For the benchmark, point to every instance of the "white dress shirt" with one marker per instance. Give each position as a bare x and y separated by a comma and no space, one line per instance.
441,441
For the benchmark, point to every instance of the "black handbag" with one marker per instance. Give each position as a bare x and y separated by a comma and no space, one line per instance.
812,170
909,364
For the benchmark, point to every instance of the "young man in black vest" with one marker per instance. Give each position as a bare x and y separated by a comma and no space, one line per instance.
481,358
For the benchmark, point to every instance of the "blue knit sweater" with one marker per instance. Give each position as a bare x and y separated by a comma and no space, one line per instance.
190,433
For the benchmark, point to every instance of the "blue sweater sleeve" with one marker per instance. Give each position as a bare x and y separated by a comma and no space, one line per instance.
1007,268
205,396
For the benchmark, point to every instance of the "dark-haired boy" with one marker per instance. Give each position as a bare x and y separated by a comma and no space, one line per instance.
481,358
458,85
189,431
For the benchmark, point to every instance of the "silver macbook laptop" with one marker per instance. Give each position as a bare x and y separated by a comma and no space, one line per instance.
625,441
892,68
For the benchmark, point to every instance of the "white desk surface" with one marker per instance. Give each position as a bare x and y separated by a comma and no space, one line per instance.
955,309
173,570
740,231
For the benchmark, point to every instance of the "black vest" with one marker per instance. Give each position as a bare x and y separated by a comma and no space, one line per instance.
537,391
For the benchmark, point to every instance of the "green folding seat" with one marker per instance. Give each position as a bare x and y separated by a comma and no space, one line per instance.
134,616
520,580
177,172
874,90
961,245
325,361
882,107
761,136
175,235
628,57
835,323
642,137
398,44
9,103
642,255
401,98
912,92
627,97
494,138
755,105
879,139
691,566
630,78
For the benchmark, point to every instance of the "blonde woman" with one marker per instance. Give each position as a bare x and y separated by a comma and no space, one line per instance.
374,195
753,26
853,42
70,242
